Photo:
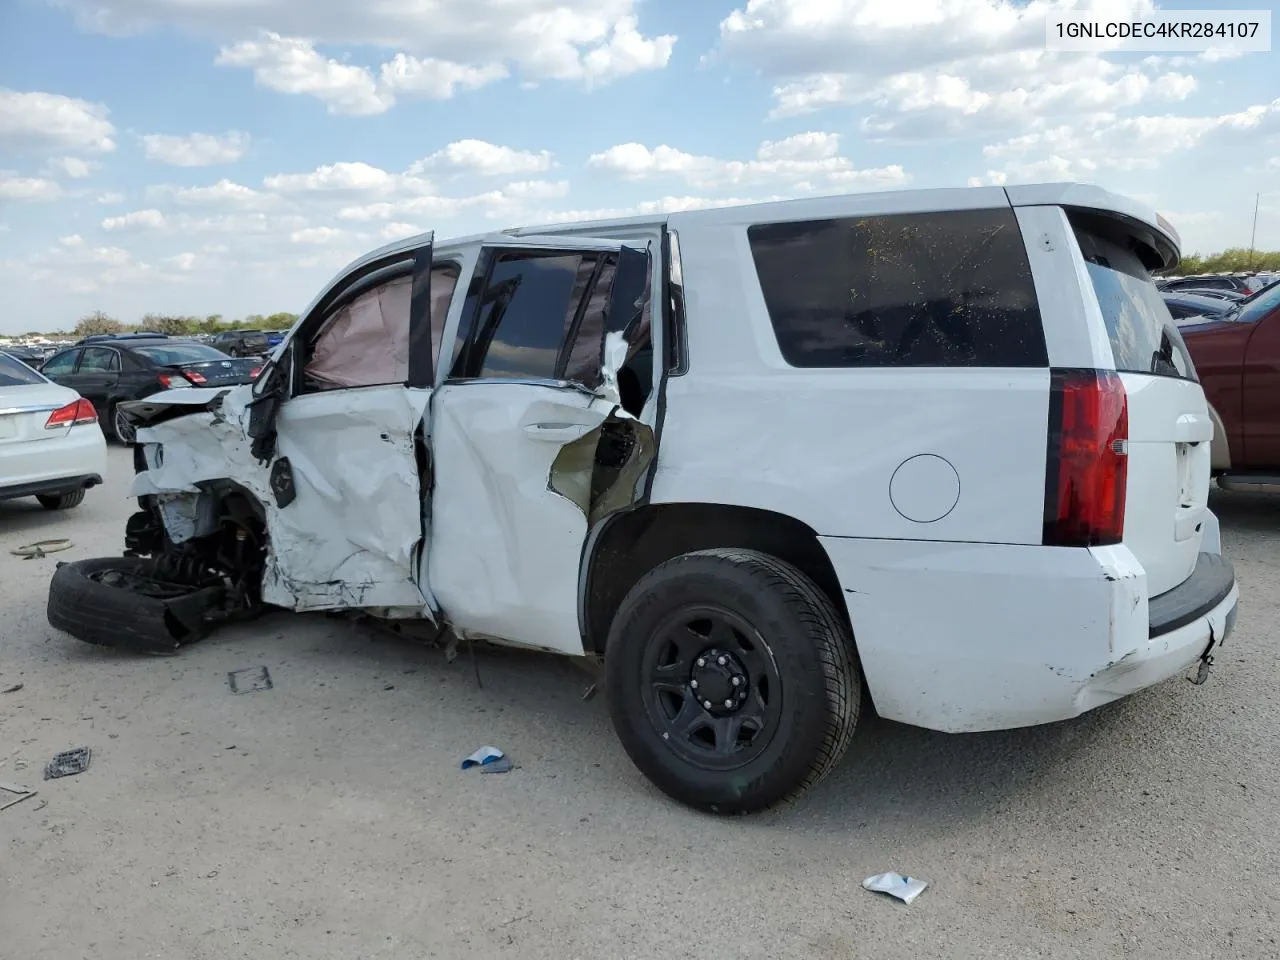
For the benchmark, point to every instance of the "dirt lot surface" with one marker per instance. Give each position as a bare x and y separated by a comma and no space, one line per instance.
328,818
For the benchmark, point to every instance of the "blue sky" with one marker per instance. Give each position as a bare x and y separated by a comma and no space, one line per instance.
205,156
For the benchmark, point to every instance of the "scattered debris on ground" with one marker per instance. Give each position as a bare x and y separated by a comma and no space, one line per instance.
68,763
12,793
14,689
41,548
249,680
501,765
483,757
897,885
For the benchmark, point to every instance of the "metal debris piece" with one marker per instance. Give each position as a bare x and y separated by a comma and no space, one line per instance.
482,756
249,680
501,765
11,793
41,548
68,763
14,689
589,693
904,888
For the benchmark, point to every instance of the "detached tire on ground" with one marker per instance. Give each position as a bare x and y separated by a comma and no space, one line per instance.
117,602
732,680
61,501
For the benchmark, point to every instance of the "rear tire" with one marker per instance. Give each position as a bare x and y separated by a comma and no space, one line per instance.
100,602
761,638
61,501
122,430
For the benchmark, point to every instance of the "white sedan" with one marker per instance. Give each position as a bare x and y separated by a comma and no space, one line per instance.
51,446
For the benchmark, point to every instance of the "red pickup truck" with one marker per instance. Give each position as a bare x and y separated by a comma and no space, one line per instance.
1237,357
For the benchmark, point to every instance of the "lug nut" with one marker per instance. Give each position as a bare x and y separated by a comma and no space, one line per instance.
736,681
693,684
722,661
702,661
707,704
728,703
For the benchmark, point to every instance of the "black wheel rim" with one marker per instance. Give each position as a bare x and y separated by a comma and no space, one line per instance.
124,429
711,687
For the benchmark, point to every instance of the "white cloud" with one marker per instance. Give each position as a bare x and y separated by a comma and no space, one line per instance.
196,149
150,219
537,189
292,65
316,235
223,193
591,41
346,179
1273,163
436,79
183,261
802,158
1107,142
14,187
430,208
75,240
73,168
485,159
50,121
398,231
111,197
626,52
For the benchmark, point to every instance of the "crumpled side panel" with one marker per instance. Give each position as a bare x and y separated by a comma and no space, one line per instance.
308,566
368,341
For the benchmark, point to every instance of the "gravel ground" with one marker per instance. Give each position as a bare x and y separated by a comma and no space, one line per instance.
327,818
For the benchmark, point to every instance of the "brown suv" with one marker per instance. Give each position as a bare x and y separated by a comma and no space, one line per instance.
243,343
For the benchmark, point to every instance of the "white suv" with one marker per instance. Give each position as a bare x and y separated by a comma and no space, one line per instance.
942,449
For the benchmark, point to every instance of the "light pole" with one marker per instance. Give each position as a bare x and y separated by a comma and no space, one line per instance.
1253,237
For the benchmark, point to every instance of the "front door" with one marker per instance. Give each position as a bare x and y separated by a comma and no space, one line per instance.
544,339
347,522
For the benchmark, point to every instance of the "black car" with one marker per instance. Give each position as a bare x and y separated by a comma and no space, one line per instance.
28,355
1214,281
1185,306
243,343
110,369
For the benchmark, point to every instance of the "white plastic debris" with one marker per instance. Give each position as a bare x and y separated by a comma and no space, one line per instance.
483,756
905,889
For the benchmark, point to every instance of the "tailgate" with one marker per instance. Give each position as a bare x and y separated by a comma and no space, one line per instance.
1170,436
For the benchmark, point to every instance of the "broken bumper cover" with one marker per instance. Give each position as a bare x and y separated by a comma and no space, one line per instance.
963,637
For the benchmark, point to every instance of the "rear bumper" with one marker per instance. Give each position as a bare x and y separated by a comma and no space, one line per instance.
965,637
53,464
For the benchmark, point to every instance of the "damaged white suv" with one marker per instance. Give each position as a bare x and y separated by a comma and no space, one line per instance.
941,449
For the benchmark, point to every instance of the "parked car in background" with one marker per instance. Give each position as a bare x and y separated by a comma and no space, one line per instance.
276,337
1237,357
243,343
31,356
1189,306
1231,296
110,370
600,439
1244,283
51,446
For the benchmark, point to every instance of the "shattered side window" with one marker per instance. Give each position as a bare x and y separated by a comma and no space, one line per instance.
527,307
929,289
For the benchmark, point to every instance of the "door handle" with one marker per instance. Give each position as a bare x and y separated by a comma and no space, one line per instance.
556,432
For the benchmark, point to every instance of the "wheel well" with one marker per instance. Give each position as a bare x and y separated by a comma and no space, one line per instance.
635,542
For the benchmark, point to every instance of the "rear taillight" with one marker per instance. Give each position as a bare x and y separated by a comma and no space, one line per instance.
171,381
194,377
79,411
1087,470
253,374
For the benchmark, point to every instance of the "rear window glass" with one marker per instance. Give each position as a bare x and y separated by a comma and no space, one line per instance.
15,373
949,289
1260,304
170,354
1144,337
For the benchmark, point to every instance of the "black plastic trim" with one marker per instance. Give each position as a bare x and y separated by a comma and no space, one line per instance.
1208,585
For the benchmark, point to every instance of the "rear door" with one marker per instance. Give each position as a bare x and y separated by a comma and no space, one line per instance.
1170,431
1260,402
98,375
546,333
61,367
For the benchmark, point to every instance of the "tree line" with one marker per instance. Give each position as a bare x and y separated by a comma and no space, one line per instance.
97,323
1233,260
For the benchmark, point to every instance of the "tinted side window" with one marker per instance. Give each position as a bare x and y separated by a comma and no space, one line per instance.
934,289
522,316
60,363
98,360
